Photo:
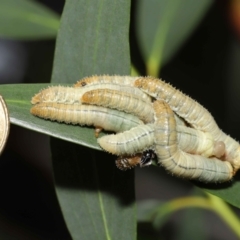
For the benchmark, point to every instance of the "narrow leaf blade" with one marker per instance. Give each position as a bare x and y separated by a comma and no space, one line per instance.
96,199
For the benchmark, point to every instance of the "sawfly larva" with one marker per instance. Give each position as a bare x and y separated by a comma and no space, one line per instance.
142,159
112,85
184,106
115,79
108,119
178,162
135,140
192,112
70,95
121,101
58,94
189,140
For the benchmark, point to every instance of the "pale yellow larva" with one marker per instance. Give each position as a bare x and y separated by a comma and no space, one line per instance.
192,112
178,162
108,119
115,79
121,101
70,95
140,138
135,140
114,83
184,106
58,94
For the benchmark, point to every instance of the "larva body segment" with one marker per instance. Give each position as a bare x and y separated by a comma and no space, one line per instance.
108,119
116,79
184,106
130,142
189,140
192,112
58,94
121,101
194,141
178,162
69,95
91,83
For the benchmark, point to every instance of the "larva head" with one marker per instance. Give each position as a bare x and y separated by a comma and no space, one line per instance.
86,81
46,95
40,110
147,158
146,82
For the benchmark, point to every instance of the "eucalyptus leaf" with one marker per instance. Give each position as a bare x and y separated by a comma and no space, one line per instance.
27,19
97,200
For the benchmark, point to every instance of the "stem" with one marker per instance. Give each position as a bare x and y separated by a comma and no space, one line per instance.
225,213
155,58
211,203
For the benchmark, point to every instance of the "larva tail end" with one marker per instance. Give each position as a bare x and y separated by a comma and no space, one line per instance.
219,149
36,98
36,111
125,163
46,94
39,110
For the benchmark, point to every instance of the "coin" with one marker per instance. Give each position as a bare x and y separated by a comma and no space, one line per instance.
4,124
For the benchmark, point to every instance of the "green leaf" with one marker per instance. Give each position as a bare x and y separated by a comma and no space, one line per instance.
229,191
18,97
92,45
97,199
27,19
163,26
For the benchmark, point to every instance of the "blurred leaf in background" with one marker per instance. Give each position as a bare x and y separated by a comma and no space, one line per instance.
27,19
163,26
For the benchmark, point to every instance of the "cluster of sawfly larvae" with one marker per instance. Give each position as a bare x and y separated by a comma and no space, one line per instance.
151,119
